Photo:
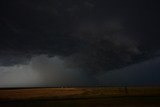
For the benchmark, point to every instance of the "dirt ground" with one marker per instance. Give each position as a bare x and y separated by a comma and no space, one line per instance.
81,97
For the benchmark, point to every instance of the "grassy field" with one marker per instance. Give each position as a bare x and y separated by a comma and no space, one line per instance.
81,97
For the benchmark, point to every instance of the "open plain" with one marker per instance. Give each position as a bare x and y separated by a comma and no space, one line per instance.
81,97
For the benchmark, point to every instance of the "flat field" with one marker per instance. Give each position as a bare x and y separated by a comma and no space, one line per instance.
81,97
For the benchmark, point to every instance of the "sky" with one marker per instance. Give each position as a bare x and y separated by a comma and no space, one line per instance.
73,43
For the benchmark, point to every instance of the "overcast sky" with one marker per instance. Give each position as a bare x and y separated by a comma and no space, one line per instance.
69,42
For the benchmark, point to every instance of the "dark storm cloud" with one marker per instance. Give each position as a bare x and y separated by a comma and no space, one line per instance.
45,71
92,36
46,25
107,46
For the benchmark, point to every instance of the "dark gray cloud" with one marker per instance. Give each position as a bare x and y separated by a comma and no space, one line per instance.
92,36
107,46
44,71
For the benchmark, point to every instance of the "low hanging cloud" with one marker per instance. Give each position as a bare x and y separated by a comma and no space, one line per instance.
44,71
107,46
